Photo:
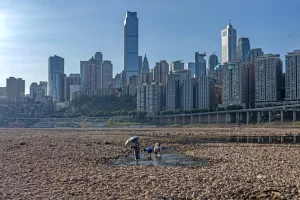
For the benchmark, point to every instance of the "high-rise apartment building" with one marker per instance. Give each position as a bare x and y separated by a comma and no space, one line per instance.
107,73
2,93
132,86
187,91
72,79
243,49
254,53
235,84
56,78
15,89
292,75
268,74
38,92
82,63
131,45
228,36
117,81
177,65
200,65
90,74
192,68
161,71
206,93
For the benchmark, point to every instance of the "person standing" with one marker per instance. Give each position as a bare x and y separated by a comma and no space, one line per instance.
136,150
158,149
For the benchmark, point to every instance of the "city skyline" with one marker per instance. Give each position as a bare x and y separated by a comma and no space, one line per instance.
34,47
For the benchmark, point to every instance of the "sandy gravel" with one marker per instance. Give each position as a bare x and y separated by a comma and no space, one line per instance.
71,164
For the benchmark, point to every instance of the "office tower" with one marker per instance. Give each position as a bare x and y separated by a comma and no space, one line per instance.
254,53
212,61
117,81
268,74
243,49
235,84
146,75
200,65
251,83
15,89
218,73
161,71
56,78
292,75
206,93
131,45
228,36
44,86
192,68
99,60
90,74
33,88
132,86
140,64
177,65
107,72
218,89
72,79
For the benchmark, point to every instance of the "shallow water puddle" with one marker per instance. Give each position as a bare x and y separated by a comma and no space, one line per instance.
168,158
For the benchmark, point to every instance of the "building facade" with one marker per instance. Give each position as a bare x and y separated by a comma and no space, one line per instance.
56,77
243,49
292,76
177,65
268,74
235,84
228,36
192,68
131,45
117,81
72,79
200,65
91,79
254,53
15,89
212,61
132,86
161,71
146,75
107,73
206,93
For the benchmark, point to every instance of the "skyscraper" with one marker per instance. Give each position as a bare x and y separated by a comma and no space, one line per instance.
146,76
268,74
131,45
99,60
90,74
228,43
200,65
292,75
243,49
107,71
56,77
212,61
161,71
72,79
206,93
15,89
254,53
192,68
140,64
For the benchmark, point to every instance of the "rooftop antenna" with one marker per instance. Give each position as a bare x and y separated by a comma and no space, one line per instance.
229,21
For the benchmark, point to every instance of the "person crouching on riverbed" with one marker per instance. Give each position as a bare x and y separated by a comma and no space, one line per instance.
148,153
136,150
158,149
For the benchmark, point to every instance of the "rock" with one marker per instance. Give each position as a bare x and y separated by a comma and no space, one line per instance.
22,143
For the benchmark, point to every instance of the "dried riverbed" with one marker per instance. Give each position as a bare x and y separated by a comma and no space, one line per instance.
72,164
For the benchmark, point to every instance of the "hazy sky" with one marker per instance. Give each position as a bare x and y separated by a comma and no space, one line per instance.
33,30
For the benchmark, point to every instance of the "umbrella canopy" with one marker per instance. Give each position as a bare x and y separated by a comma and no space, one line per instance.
130,139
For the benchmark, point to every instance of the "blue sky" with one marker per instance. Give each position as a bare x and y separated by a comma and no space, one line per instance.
31,31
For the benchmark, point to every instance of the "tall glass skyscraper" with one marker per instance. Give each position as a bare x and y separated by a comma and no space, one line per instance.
191,67
56,77
212,61
200,65
228,44
243,49
131,45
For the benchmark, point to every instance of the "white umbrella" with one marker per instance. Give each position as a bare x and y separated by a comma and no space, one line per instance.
130,139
